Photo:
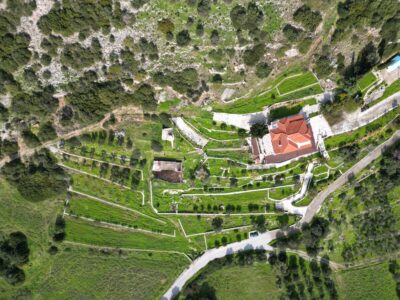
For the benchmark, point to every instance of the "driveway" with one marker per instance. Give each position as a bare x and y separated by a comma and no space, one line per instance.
262,241
358,118
259,242
316,203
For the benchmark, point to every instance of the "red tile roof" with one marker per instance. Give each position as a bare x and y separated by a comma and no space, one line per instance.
291,134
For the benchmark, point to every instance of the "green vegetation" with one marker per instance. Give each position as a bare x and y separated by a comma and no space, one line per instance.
184,81
250,275
47,132
41,178
309,18
289,110
389,91
366,81
67,17
78,57
297,82
98,211
372,282
87,233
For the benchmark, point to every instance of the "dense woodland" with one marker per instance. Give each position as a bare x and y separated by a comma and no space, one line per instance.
39,179
14,253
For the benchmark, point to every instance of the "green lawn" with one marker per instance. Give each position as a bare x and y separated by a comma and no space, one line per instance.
389,91
167,105
257,103
297,82
80,206
366,81
244,282
279,193
87,233
289,110
108,191
81,273
372,283
199,224
243,199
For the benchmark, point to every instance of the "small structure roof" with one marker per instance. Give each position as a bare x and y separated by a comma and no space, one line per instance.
168,170
291,134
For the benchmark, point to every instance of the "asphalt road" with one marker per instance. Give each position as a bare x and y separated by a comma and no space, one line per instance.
259,242
316,203
262,241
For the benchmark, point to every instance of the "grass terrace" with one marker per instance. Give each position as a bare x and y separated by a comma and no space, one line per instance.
87,233
89,208
366,81
77,272
389,91
363,132
294,83
291,109
297,87
366,282
108,191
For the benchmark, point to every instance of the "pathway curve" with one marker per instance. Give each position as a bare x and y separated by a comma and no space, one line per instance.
358,118
259,242
262,241
316,203
287,204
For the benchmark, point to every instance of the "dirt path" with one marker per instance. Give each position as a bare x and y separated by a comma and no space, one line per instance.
26,152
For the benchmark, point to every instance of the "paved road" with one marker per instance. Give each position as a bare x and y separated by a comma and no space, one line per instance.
259,242
287,204
358,118
262,241
316,204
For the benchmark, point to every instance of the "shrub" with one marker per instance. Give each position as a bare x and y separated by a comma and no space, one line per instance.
183,38
292,33
156,146
310,19
40,179
253,55
14,252
263,70
258,130
204,7
214,37
217,223
47,132
30,139
166,25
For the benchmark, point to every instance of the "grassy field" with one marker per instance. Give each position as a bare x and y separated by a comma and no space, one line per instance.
297,82
257,103
110,192
366,81
362,132
389,91
372,282
290,110
244,282
77,272
80,206
81,273
87,233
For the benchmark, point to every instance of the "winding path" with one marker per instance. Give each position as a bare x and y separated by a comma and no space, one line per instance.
262,241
